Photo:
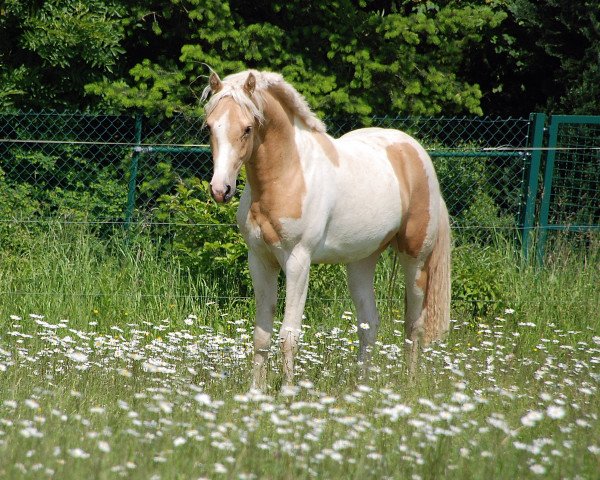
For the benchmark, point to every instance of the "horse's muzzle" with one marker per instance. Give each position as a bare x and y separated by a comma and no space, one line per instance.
222,194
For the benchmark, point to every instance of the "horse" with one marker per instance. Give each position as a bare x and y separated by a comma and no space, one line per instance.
310,198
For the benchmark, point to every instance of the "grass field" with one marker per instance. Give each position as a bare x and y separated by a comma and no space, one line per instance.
115,363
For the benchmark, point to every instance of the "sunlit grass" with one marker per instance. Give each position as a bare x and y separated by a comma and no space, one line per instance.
162,392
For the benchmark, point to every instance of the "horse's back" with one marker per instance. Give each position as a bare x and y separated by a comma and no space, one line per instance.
381,138
367,198
411,172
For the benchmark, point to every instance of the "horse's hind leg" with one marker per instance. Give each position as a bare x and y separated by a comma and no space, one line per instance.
415,274
360,283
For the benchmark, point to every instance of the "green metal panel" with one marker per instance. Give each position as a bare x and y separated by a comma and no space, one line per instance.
531,187
573,172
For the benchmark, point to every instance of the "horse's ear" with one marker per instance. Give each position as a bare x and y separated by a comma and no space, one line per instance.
215,83
250,84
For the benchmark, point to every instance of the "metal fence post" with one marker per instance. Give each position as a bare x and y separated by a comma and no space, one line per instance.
133,169
547,191
537,122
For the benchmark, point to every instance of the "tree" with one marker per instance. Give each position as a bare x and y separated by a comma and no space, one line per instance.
568,31
544,56
51,49
348,58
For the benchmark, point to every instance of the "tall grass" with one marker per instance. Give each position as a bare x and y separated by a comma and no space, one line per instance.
114,362
69,272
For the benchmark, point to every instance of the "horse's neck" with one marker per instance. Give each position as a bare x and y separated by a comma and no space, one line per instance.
276,159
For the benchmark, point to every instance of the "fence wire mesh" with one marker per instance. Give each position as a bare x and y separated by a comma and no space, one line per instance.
79,167
575,189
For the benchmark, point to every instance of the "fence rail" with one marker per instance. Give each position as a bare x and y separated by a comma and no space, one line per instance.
125,169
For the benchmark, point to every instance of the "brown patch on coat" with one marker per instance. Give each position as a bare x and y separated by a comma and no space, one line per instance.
423,277
328,147
414,192
275,173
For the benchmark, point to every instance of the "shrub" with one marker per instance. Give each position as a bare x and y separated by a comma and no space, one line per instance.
203,235
478,279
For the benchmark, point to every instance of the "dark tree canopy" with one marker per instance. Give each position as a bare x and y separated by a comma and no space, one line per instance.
348,57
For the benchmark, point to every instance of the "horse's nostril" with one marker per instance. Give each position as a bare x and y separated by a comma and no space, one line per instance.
227,190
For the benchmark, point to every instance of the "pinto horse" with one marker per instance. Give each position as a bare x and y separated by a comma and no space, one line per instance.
310,198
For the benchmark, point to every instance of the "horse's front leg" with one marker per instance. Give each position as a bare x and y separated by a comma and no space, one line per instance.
297,266
264,280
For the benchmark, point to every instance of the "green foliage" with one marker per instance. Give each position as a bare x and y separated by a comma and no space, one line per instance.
38,185
348,58
52,49
567,36
64,34
470,187
478,279
345,59
205,239
483,220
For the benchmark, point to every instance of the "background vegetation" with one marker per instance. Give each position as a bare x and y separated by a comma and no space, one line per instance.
360,57
127,352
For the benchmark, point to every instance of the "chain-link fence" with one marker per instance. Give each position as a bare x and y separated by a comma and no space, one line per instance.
123,169
91,167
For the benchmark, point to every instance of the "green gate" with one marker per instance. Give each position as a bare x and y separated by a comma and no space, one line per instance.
570,196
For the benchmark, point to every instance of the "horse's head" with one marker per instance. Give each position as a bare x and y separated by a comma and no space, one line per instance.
232,127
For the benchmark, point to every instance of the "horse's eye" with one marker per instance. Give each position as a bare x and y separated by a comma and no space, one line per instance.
247,130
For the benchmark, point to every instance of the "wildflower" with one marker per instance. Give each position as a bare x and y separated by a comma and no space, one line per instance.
203,399
78,453
396,411
30,403
526,324
306,384
509,311
179,441
78,357
531,418
103,446
31,432
538,469
555,412
289,390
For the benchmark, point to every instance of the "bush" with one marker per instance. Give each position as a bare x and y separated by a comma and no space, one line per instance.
478,283
203,235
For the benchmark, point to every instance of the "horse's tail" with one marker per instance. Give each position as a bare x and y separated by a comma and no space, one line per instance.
437,297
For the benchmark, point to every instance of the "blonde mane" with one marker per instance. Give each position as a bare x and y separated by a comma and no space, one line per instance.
233,86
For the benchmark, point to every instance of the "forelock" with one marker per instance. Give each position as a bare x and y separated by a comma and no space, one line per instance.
233,86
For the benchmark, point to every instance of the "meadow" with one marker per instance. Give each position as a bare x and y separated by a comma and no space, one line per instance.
115,362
